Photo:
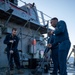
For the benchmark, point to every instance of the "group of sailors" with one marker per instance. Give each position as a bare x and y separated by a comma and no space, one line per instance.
58,43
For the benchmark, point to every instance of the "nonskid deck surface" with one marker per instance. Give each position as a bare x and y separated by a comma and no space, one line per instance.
71,71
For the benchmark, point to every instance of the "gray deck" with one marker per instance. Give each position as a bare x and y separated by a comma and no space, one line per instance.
71,71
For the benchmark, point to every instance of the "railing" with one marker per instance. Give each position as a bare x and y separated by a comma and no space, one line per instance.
43,18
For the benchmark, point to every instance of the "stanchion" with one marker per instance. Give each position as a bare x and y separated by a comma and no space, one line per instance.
73,51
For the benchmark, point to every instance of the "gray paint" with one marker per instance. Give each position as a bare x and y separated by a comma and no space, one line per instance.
26,40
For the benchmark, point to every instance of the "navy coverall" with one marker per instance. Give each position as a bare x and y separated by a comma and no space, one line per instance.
62,39
54,53
13,47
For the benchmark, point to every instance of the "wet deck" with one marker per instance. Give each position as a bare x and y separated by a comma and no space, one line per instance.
71,71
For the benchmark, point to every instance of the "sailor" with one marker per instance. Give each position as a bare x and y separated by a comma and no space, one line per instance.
54,52
61,39
11,40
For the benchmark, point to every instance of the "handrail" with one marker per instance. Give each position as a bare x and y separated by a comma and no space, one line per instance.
43,15
23,2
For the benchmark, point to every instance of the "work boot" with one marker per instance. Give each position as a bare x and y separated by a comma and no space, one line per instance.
53,73
20,72
11,72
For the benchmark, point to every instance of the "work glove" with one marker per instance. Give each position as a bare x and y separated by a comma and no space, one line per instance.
11,41
11,51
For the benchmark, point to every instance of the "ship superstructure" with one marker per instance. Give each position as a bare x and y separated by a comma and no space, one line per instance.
30,23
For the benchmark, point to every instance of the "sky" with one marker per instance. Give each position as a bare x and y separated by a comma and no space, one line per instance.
62,9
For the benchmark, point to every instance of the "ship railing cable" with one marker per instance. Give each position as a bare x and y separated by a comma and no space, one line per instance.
23,1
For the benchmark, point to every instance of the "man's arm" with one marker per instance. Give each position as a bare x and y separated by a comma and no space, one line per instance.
6,40
49,45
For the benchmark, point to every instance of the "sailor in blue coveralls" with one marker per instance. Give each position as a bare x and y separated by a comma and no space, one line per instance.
61,39
11,40
54,52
